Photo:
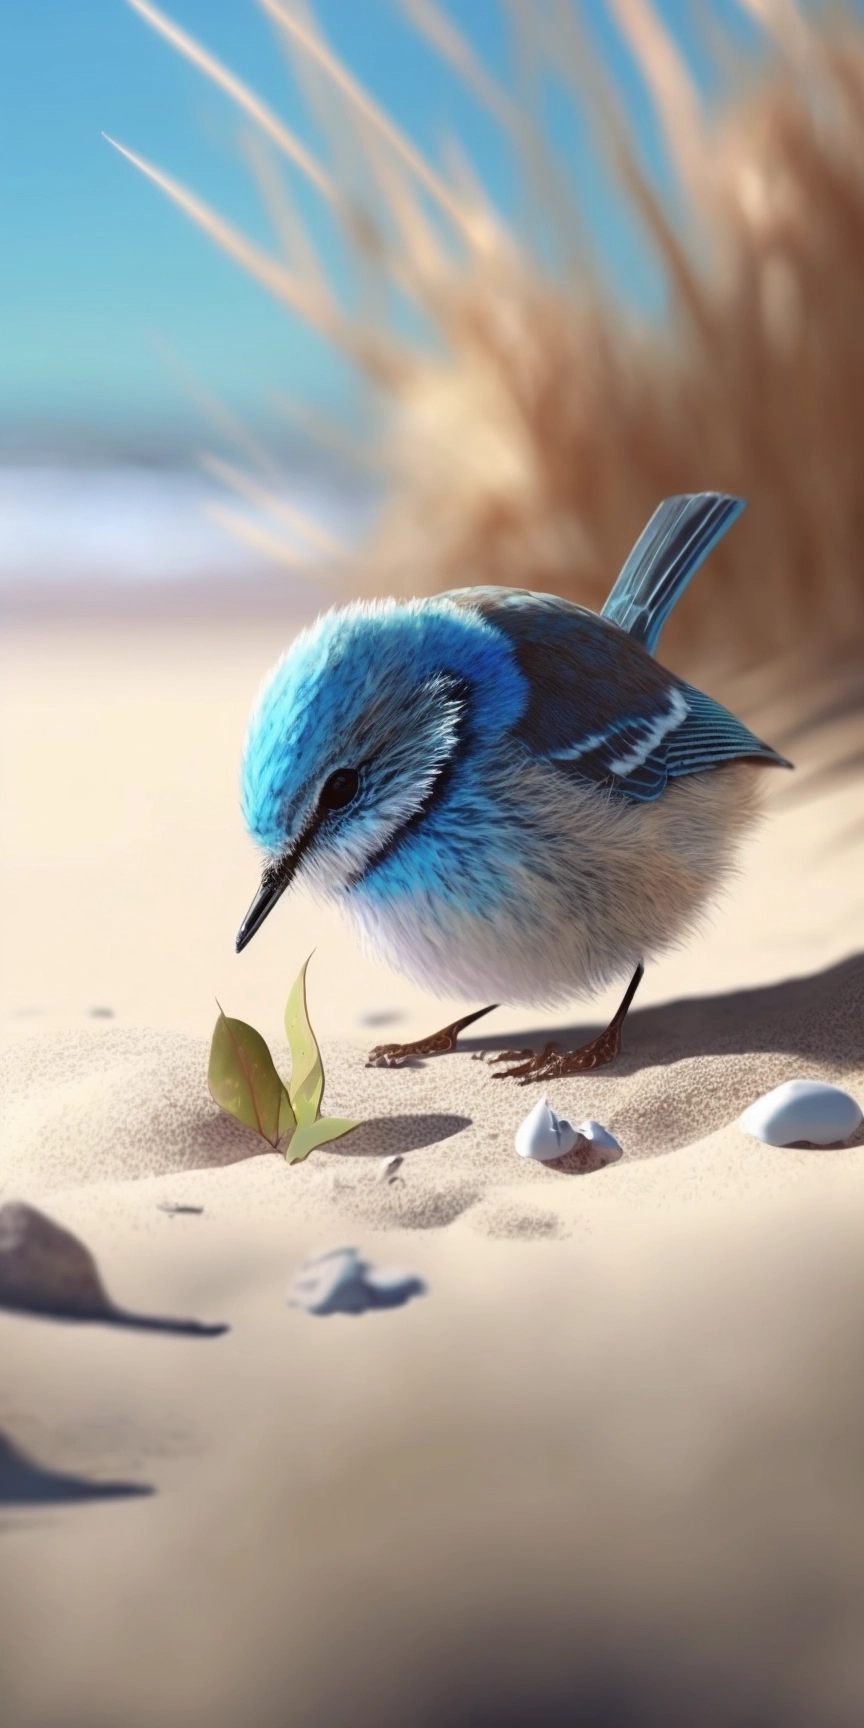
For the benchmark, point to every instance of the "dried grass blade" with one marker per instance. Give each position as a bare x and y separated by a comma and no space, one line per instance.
297,519
363,102
239,93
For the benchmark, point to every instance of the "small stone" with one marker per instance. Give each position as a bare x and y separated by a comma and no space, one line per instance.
340,1282
44,1268
803,1111
389,1168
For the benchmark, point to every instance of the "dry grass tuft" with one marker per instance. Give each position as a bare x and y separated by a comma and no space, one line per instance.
528,436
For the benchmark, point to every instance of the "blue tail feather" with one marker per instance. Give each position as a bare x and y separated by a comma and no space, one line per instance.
678,538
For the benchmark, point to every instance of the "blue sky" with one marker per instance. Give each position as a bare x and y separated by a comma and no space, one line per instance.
102,280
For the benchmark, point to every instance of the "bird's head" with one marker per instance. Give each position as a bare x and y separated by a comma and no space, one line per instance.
357,731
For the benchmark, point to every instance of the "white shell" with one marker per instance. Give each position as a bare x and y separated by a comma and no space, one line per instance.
544,1136
803,1110
339,1282
601,1140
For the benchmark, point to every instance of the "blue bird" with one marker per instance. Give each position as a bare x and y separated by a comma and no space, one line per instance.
506,791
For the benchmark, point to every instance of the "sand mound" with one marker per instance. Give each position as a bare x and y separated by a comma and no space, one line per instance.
93,1106
105,1105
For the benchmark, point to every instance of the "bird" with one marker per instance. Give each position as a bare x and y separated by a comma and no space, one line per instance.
506,791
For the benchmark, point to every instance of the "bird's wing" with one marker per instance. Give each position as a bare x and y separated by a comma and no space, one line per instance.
600,707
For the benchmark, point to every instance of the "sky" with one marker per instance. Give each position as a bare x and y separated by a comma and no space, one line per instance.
114,310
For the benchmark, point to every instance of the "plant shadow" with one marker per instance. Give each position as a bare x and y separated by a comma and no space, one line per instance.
383,1136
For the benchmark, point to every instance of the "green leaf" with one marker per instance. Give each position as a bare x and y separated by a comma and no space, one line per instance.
307,1072
287,1119
244,1081
312,1134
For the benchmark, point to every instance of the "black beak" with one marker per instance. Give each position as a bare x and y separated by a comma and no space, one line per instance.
275,882
268,894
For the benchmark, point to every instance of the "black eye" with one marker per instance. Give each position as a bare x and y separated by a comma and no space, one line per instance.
339,789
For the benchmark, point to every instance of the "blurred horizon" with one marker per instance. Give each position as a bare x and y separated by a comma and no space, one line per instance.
132,522
133,347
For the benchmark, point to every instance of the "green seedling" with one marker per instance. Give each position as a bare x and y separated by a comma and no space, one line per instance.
245,1082
307,1072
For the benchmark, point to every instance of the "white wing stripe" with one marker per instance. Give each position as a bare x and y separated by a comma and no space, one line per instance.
572,752
675,715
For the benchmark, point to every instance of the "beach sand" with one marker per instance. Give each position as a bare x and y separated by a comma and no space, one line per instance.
606,1471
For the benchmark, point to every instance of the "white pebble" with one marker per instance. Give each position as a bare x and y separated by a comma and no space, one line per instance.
803,1110
388,1169
544,1136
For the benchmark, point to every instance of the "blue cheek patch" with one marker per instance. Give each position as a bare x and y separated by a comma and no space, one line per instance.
461,854
319,692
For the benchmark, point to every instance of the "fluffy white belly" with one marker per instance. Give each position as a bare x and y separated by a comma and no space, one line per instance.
502,956
613,885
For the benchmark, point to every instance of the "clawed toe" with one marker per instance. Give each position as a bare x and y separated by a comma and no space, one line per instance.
524,1066
556,1064
553,1063
438,1044
388,1056
530,1064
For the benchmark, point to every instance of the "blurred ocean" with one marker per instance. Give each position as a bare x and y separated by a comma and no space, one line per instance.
134,525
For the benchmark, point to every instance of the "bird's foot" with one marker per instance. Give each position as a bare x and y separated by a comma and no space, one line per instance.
553,1063
437,1044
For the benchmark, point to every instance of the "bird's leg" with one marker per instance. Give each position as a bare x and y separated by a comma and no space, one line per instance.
437,1044
555,1064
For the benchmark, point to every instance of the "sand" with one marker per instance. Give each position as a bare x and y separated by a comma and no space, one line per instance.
607,1471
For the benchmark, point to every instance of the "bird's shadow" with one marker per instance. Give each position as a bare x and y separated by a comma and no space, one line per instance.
818,1016
384,1136
26,1483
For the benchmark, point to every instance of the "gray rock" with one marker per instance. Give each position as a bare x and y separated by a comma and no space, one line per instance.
340,1282
45,1268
